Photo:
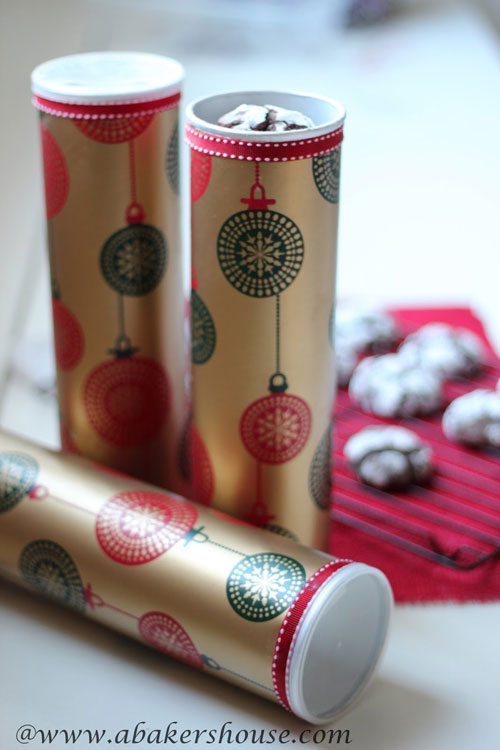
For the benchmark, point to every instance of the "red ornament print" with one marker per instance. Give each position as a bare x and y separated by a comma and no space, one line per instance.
201,167
274,429
127,400
114,130
165,634
136,527
56,175
69,341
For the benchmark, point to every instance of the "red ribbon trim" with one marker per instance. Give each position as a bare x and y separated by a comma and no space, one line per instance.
105,111
292,619
238,148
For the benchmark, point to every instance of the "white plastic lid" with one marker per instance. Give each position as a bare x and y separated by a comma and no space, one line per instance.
326,114
338,643
107,78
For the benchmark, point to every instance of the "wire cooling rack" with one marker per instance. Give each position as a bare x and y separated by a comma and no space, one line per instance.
455,519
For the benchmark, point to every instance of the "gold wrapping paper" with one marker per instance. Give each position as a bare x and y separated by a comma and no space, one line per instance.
191,582
264,259
119,303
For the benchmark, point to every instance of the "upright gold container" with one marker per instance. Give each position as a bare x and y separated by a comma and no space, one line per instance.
264,233
110,146
291,624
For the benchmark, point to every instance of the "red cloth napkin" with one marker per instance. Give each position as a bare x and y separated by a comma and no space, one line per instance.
457,515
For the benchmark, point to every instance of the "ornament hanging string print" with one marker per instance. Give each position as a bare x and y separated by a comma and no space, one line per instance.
260,252
164,633
127,398
134,258
158,629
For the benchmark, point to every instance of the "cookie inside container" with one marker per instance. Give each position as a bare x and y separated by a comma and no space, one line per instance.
325,113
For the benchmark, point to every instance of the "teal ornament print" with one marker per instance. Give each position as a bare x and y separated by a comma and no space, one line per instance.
18,474
262,586
49,569
326,173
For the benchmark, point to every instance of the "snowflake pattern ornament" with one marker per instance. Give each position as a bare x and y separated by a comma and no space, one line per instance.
49,569
127,399
320,472
18,474
262,586
260,252
134,258
274,429
326,173
135,527
165,634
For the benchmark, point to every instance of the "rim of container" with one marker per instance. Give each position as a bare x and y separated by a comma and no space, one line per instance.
303,638
48,78
266,97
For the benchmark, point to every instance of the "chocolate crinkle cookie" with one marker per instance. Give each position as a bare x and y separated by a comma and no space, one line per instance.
389,457
474,419
346,359
273,119
372,331
390,386
449,352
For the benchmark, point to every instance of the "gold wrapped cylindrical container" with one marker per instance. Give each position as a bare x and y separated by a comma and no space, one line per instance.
289,623
110,147
264,227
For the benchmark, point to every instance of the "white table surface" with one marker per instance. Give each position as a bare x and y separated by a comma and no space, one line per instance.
419,223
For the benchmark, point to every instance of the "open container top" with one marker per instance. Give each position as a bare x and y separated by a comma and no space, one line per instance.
338,643
326,114
105,78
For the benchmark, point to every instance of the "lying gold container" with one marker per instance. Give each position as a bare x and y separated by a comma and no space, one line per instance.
291,624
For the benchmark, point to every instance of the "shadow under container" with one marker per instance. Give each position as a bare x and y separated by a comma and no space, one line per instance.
110,147
264,238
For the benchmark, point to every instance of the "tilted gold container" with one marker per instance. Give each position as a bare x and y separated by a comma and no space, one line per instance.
264,232
281,620
110,146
